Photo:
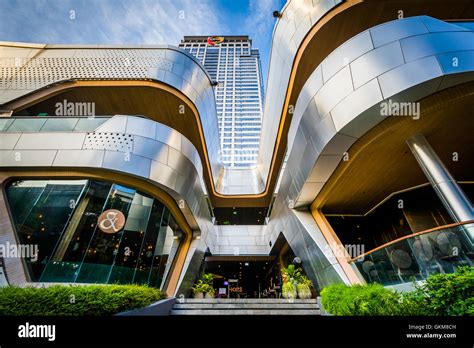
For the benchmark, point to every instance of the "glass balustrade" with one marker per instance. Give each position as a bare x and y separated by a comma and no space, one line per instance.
416,257
50,124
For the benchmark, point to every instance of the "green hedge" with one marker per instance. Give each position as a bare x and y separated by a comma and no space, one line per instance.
75,299
448,294
441,294
372,299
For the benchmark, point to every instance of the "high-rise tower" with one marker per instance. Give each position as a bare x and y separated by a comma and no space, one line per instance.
235,66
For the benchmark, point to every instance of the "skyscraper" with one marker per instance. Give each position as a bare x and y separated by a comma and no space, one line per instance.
235,66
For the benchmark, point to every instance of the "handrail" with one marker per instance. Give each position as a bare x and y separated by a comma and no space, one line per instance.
411,236
22,117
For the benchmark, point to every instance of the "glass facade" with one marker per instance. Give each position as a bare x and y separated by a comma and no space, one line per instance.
70,221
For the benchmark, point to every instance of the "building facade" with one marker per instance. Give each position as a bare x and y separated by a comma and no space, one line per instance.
368,104
235,66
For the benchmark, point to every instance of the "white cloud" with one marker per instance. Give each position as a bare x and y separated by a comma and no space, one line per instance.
108,21
164,21
261,21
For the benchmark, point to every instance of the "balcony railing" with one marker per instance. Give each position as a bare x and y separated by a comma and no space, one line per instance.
21,124
416,256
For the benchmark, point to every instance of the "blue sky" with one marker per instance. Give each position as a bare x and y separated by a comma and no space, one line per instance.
137,21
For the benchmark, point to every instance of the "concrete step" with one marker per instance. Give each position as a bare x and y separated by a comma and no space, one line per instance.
247,300
246,306
246,312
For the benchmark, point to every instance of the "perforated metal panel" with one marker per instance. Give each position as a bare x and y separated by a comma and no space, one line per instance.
63,64
108,141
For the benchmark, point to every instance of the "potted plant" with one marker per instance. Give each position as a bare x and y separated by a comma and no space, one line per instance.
289,290
198,290
208,278
290,275
295,283
304,287
210,292
204,287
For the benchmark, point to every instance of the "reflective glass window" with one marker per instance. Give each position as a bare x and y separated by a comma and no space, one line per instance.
93,232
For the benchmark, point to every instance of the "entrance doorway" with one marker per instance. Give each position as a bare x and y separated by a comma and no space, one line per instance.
245,276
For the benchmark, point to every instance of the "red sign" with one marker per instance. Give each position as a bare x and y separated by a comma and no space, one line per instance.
214,40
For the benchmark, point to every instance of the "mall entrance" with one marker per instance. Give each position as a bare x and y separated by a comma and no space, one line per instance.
245,276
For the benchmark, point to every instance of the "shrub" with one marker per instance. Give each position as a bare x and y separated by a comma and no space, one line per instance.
448,294
372,299
75,299
440,294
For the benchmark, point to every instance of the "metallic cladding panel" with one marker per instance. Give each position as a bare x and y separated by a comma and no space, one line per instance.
79,158
27,158
373,63
356,103
146,147
396,30
192,266
409,75
354,48
8,141
127,163
446,61
421,46
333,91
48,141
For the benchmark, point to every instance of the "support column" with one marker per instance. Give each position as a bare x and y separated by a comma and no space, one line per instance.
447,189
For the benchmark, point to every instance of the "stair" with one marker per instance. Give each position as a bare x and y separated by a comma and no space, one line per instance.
252,306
